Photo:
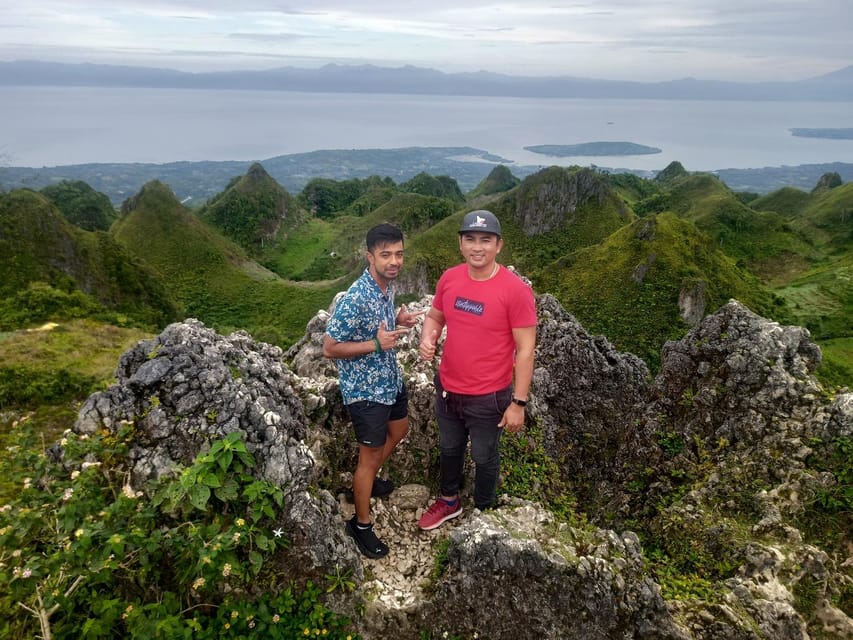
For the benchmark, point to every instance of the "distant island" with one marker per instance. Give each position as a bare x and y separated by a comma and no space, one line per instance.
831,134
593,149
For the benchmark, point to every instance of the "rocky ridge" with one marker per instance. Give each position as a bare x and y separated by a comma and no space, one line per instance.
736,393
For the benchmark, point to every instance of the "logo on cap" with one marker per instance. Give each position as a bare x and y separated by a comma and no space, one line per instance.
478,222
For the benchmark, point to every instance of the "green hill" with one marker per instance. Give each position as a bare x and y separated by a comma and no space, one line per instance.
55,270
760,239
787,201
437,186
548,215
573,231
82,205
323,249
828,215
212,276
557,211
500,179
253,210
647,282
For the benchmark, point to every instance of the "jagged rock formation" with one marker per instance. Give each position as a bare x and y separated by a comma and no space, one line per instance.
827,181
189,386
736,393
518,573
552,199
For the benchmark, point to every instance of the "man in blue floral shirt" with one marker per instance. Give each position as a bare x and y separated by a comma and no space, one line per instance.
362,335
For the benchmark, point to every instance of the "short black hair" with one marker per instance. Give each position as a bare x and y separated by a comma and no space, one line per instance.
383,234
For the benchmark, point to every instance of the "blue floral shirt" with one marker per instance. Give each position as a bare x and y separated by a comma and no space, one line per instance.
356,318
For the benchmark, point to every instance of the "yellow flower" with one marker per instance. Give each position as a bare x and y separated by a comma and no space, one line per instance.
240,522
234,614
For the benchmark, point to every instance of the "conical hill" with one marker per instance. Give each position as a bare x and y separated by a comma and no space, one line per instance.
55,270
212,276
253,210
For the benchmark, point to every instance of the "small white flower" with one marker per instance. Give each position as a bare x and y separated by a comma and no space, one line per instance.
278,533
75,474
66,496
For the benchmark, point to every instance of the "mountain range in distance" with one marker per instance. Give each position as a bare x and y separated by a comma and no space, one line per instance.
334,78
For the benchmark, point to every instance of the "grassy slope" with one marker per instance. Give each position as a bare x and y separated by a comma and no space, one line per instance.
820,294
38,245
61,362
596,283
787,201
320,249
760,239
212,276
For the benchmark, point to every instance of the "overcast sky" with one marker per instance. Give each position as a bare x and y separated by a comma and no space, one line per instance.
614,39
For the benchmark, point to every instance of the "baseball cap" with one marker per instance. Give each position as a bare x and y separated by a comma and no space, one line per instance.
481,220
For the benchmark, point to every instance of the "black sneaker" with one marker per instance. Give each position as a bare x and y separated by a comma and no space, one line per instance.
366,540
382,488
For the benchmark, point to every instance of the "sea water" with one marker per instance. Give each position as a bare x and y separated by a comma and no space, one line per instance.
50,126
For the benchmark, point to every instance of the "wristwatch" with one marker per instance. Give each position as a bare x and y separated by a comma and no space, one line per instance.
520,403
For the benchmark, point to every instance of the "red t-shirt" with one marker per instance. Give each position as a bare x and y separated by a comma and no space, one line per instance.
479,349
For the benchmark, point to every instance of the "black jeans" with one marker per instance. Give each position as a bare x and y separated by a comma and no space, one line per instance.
461,417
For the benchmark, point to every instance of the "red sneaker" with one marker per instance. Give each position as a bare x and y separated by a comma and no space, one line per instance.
438,513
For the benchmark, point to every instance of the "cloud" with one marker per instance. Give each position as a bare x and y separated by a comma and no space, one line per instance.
619,39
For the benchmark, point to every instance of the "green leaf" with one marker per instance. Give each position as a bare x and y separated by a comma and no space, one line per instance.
228,491
199,495
224,459
263,542
211,480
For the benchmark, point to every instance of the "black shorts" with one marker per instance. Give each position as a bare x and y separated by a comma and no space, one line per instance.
370,419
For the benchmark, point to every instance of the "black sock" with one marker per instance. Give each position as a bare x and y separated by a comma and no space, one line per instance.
363,527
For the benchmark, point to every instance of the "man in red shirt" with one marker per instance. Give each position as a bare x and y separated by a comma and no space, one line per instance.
490,315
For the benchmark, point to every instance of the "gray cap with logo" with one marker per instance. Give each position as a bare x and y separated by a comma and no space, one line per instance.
481,220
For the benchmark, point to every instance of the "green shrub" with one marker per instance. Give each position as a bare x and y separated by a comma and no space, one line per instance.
85,555
25,386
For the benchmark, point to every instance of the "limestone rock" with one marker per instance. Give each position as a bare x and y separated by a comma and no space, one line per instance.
189,386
